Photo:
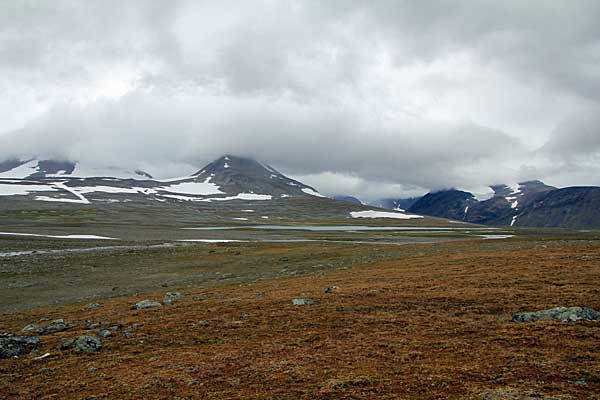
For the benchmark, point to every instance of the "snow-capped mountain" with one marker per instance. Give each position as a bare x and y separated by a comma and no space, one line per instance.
228,189
36,169
530,203
228,178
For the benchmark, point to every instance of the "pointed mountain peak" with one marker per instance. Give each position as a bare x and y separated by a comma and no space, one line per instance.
235,174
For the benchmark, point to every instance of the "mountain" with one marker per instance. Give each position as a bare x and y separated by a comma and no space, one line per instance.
349,199
530,203
37,169
227,178
452,204
396,204
228,189
235,175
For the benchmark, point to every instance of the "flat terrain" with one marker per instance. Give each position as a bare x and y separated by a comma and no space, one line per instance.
416,321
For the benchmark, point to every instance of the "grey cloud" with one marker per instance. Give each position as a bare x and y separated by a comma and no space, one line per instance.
363,96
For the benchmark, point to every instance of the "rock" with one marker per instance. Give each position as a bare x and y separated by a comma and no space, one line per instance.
259,294
58,325
93,325
330,289
302,302
14,346
563,314
93,306
135,326
104,332
171,298
65,346
202,323
31,328
87,344
140,305
128,335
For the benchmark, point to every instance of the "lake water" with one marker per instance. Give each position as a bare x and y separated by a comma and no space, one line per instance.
341,228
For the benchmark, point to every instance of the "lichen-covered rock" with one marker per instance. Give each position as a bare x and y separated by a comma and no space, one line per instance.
172,297
140,305
14,346
302,302
87,344
563,314
58,325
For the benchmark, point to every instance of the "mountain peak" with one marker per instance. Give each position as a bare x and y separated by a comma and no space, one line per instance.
237,174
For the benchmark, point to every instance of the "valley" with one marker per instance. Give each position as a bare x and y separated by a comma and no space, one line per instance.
238,282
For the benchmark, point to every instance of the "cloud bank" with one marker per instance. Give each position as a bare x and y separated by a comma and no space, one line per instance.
389,98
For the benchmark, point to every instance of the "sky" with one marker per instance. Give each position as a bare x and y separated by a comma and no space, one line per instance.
374,99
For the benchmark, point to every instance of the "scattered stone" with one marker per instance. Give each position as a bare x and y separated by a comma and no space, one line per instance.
284,259
87,344
128,335
93,325
116,326
92,369
259,294
203,323
15,346
172,297
135,326
330,289
140,305
563,314
165,284
302,302
65,346
31,328
104,332
93,306
58,325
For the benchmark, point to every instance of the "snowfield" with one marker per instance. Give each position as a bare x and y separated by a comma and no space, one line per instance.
382,214
87,237
196,188
312,192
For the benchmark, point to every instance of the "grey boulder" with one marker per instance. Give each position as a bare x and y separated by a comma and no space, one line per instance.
58,325
172,297
302,302
14,345
563,314
140,305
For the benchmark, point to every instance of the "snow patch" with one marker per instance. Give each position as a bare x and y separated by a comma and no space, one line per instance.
59,236
197,188
311,192
22,171
22,190
382,214
243,196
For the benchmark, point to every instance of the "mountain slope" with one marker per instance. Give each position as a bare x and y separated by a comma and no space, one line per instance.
40,169
228,190
452,204
531,203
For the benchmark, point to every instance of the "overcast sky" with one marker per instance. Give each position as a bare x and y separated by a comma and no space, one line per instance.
369,98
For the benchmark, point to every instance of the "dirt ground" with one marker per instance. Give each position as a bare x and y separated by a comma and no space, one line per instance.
432,322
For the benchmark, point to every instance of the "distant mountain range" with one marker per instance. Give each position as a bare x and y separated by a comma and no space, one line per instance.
240,179
530,203
244,188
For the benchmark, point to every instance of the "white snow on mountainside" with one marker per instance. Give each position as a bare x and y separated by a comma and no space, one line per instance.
67,182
